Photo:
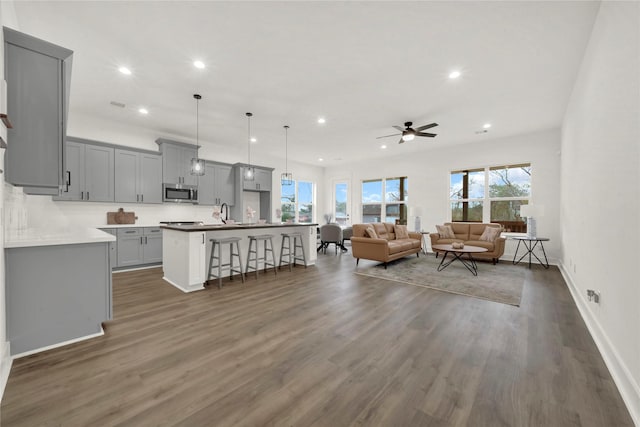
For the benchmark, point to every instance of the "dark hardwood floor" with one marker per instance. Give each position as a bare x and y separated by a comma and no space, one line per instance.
322,347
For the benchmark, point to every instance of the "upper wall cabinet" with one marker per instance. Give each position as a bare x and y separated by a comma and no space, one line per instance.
216,186
38,76
261,180
176,162
138,176
89,172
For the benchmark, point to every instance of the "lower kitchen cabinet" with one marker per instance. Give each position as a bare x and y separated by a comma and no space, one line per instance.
135,246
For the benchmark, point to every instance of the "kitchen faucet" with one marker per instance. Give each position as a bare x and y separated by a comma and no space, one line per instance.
224,208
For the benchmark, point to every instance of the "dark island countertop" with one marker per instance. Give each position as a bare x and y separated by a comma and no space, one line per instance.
215,227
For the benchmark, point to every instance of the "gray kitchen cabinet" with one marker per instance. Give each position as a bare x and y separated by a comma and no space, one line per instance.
260,182
38,76
113,247
152,246
89,173
216,186
130,247
176,162
138,177
137,246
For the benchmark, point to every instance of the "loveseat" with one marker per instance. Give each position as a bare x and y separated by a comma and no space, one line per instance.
384,246
470,233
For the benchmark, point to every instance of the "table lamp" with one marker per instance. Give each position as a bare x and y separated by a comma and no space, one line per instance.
415,212
529,212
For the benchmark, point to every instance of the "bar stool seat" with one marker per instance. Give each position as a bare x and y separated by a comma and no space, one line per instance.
255,241
285,250
219,265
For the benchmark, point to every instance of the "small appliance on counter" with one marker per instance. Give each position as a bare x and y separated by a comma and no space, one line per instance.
180,193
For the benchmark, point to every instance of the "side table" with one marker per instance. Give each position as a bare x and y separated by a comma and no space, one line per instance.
424,241
530,244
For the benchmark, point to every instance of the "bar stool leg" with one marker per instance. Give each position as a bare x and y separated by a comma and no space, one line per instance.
273,256
304,255
239,261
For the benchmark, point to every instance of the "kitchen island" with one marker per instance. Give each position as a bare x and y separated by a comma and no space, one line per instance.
186,248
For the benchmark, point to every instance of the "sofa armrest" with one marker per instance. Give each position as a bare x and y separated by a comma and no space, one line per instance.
368,248
415,235
499,246
434,238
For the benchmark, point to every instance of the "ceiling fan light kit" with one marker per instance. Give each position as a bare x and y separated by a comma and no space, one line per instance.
197,164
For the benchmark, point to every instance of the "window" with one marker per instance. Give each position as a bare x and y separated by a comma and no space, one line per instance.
297,201
492,194
385,200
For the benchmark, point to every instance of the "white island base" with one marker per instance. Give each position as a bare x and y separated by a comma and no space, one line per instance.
186,249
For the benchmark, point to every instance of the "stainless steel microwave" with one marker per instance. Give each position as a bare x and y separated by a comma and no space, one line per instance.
180,193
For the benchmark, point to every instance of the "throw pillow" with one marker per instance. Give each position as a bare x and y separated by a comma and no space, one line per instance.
370,232
445,232
401,231
490,234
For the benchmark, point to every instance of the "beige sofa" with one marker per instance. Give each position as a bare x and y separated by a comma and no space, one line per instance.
469,233
386,247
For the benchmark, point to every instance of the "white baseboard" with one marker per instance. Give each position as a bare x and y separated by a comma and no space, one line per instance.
628,387
5,366
185,290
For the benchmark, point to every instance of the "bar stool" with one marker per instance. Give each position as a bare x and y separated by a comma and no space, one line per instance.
257,239
292,257
217,243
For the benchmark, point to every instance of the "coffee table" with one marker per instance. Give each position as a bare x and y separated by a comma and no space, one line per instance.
470,263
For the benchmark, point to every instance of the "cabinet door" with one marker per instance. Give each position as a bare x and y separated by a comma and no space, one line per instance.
152,245
206,186
187,155
130,249
35,108
224,184
113,247
263,180
248,184
150,178
126,174
74,172
99,177
171,164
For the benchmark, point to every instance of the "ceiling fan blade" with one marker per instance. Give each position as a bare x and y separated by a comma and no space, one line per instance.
387,136
429,126
398,128
430,135
401,141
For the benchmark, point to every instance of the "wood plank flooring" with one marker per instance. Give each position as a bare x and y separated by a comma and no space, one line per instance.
322,347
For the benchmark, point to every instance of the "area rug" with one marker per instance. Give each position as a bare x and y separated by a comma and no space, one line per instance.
500,283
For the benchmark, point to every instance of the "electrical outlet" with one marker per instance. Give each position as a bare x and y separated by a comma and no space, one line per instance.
593,296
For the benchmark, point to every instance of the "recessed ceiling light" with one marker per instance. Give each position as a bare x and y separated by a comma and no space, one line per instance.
253,139
198,64
322,120
486,125
383,146
454,74
143,111
125,71
320,159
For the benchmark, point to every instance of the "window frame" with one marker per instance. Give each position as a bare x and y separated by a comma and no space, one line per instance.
383,199
296,203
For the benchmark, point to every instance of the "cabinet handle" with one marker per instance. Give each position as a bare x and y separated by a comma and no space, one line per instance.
203,238
141,240
137,197
142,198
82,195
68,181
130,231
87,195
145,240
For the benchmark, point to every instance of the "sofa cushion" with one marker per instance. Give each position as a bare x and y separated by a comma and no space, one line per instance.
490,246
490,234
396,246
370,232
445,231
401,232
460,230
381,230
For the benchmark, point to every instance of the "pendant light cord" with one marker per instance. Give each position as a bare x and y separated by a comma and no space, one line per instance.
249,135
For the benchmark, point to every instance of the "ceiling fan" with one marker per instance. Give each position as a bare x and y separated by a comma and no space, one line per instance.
408,133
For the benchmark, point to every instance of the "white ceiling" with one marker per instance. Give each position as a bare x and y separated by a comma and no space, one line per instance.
365,66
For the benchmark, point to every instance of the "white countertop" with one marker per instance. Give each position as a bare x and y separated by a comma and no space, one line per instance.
127,225
32,237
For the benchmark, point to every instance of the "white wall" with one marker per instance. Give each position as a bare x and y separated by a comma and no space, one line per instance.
8,18
429,174
601,191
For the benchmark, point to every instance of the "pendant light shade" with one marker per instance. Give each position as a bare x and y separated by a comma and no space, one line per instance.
286,178
197,164
249,172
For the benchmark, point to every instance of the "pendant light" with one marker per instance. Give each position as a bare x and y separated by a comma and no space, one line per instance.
197,164
249,172
286,178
